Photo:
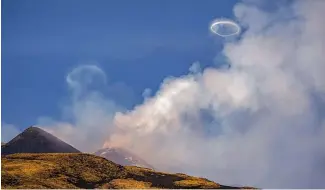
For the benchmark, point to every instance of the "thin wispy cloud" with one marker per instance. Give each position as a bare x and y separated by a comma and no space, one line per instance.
88,114
8,131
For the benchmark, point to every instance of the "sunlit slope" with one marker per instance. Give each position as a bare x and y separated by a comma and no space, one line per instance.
77,170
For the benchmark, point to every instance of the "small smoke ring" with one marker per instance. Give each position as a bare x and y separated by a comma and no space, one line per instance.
214,27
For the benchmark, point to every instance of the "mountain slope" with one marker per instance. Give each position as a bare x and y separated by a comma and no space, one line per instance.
77,170
122,157
36,140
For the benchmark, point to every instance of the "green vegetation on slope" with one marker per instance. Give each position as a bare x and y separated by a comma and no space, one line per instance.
77,170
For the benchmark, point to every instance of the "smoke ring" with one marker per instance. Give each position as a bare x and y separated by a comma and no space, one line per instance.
215,26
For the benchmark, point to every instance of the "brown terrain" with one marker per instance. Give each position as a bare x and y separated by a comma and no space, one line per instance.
78,170
36,159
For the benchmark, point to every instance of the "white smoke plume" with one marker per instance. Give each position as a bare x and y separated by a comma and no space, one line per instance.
259,123
266,128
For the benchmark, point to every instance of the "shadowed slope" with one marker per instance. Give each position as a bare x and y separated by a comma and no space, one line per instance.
36,140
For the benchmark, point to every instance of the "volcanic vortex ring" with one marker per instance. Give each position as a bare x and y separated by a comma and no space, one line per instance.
215,24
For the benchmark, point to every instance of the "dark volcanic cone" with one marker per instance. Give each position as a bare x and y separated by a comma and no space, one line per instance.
36,140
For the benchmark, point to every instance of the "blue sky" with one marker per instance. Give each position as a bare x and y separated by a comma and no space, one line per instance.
136,43
270,103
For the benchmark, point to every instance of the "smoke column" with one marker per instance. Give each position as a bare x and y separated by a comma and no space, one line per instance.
259,123
266,126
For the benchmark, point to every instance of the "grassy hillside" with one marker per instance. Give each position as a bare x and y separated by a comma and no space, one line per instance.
76,170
